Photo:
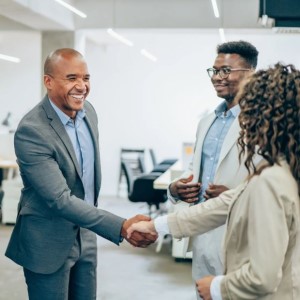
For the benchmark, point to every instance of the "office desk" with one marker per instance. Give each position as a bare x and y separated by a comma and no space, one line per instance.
9,166
179,246
163,181
11,186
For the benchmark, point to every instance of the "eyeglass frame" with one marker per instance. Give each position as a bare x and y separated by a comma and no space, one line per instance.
217,71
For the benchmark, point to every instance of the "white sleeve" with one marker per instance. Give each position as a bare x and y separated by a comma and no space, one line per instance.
161,225
215,288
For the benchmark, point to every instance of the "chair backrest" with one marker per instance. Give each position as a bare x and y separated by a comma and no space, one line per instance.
1,197
135,158
128,175
153,157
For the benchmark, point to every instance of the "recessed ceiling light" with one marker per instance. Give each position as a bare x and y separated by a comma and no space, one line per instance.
10,58
215,8
72,8
119,37
148,55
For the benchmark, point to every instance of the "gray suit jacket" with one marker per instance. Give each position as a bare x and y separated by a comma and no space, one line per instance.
51,207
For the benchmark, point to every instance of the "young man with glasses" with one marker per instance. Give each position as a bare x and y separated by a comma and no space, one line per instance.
216,167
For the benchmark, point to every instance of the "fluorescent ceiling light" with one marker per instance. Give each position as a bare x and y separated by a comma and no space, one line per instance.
215,8
222,35
72,8
148,55
10,58
119,37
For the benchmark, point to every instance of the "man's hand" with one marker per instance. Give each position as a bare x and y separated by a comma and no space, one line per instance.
185,190
142,227
203,287
138,239
214,190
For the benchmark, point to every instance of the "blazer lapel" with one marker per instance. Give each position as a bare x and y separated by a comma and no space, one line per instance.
58,127
201,133
230,140
94,130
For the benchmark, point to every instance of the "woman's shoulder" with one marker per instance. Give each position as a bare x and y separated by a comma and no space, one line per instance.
278,177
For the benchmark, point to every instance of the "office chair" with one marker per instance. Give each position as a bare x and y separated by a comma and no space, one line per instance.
1,197
140,188
163,166
136,161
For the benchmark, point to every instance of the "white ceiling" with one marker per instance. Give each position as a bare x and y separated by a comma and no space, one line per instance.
49,15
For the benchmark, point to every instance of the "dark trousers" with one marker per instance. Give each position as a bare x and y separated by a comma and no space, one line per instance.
75,280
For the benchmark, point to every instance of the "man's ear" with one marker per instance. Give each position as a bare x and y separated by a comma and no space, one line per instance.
48,81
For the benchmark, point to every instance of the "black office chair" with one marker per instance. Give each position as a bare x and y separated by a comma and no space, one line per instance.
135,158
140,188
163,165
1,198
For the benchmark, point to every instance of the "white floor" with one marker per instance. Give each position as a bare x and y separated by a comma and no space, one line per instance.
124,272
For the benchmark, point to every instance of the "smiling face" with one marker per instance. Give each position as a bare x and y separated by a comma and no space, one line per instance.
227,88
68,82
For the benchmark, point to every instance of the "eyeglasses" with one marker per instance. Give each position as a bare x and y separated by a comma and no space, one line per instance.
223,72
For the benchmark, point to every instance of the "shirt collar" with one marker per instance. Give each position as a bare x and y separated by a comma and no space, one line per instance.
65,118
235,110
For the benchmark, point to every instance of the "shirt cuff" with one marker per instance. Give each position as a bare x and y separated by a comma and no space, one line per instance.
174,200
161,225
215,288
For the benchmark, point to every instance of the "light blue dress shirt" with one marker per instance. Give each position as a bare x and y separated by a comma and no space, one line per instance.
213,142
82,142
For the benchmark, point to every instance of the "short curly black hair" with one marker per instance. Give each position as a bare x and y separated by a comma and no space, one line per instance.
246,50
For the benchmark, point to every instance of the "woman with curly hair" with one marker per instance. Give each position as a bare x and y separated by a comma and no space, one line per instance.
262,241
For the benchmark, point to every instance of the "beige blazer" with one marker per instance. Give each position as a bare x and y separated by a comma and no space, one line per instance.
229,172
262,241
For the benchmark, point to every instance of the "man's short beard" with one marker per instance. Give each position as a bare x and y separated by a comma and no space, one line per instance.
229,99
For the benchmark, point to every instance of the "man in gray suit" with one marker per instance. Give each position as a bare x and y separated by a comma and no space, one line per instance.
57,150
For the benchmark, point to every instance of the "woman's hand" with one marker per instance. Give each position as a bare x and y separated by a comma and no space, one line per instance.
143,227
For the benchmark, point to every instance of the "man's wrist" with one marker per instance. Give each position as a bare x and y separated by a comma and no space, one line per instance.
123,232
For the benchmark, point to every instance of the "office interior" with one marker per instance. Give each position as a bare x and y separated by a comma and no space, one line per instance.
152,102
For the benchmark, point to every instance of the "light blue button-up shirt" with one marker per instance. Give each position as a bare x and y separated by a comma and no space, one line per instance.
213,143
82,142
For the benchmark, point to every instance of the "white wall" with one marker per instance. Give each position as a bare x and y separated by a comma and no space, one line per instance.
140,103
144,104
20,83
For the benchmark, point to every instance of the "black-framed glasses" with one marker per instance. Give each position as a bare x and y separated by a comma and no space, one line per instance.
223,72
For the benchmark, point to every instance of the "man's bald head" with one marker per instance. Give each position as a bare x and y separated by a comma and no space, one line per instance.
56,55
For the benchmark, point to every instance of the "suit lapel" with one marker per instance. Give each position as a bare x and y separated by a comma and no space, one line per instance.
93,130
230,140
58,127
202,131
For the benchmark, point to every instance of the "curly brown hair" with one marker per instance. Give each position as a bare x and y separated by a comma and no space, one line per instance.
270,118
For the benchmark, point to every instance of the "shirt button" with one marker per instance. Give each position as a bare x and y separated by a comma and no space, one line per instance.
216,139
207,177
224,122
211,158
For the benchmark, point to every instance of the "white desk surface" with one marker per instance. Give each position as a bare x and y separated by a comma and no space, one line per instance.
8,164
163,181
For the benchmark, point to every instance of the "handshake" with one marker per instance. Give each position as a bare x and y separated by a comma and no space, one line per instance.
139,231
